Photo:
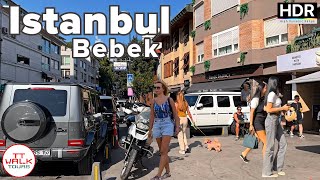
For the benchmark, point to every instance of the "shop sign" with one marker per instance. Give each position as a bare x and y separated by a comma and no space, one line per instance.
219,76
299,60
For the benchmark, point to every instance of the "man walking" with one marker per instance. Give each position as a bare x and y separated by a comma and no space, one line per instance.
298,108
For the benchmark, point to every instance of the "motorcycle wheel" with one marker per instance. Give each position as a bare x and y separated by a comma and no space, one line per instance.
128,164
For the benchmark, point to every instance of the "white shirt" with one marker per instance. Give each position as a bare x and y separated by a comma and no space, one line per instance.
318,116
254,103
274,99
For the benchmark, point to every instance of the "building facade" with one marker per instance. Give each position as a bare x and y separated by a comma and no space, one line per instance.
177,50
302,61
239,40
79,70
28,58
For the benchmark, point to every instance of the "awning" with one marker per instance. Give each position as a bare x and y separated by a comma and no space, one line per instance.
226,85
314,77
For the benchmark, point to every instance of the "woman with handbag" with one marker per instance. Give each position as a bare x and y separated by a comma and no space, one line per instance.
274,131
183,108
162,118
257,119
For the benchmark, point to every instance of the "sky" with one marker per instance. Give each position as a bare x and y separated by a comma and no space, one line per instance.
81,6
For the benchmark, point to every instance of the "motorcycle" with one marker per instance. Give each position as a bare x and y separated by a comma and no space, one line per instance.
136,143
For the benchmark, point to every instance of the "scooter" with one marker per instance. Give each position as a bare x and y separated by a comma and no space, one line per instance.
136,143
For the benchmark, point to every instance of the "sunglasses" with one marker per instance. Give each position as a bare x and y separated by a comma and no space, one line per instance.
239,109
156,87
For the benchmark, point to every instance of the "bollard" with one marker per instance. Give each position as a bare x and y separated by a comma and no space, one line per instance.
96,172
224,131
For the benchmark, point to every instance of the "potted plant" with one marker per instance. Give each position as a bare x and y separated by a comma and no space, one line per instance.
192,69
244,8
207,25
207,65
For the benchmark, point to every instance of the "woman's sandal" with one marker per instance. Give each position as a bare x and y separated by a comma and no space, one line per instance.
165,176
156,178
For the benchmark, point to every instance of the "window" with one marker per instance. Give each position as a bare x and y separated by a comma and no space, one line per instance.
191,100
75,61
55,101
4,2
81,64
200,52
226,42
218,6
237,101
275,33
176,67
56,65
55,48
52,64
75,74
186,34
66,74
175,40
84,66
46,46
23,60
223,101
207,101
45,63
168,69
186,63
199,15
85,77
66,60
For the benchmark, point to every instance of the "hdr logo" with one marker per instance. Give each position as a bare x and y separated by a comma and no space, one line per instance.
297,13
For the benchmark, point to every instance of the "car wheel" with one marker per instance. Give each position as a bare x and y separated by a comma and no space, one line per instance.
85,164
24,122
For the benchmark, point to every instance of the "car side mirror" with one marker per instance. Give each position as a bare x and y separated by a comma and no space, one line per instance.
199,106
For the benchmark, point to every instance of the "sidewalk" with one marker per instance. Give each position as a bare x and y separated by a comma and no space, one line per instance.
302,161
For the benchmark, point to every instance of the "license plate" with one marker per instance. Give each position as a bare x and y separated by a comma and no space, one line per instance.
41,152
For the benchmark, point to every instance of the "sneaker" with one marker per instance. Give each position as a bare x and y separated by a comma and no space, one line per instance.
188,150
237,138
291,134
156,178
281,173
270,176
165,176
182,152
301,136
244,159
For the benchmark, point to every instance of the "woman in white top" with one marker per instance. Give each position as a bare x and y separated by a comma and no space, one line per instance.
274,131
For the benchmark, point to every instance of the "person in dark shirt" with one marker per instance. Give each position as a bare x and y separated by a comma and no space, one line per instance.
298,108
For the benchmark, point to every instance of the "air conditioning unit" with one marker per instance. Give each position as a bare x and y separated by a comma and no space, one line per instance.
40,47
4,30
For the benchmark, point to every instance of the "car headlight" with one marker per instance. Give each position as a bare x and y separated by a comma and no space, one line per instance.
142,126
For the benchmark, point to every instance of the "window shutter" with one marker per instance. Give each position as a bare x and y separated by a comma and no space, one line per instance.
225,39
235,35
219,6
200,49
274,27
214,42
199,12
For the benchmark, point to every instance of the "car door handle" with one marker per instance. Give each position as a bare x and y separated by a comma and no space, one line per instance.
61,130
213,113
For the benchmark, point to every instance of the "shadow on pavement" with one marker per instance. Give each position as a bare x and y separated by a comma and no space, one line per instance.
195,144
55,169
313,149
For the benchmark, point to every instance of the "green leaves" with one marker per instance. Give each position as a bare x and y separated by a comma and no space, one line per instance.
244,8
288,49
242,57
193,34
207,25
193,2
207,65
192,69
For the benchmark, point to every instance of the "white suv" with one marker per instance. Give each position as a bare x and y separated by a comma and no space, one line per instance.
215,109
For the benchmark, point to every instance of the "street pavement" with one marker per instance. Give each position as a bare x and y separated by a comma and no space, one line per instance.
302,162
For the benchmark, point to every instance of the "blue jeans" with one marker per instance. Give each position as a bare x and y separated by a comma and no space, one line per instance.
163,127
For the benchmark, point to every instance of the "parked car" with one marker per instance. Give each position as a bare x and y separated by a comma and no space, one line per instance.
109,110
215,109
59,122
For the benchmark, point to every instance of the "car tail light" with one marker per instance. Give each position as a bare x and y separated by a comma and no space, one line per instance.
47,89
2,142
76,142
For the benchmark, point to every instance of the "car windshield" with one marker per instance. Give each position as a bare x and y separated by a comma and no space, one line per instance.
53,100
107,103
191,99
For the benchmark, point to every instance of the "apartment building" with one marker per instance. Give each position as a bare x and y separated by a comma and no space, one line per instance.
79,70
302,61
177,50
28,58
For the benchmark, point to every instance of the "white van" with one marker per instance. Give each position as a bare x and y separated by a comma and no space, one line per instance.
215,109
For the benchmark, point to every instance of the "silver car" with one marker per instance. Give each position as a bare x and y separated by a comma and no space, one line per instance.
59,122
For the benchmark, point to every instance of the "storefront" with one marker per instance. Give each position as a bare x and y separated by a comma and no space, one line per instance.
304,66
